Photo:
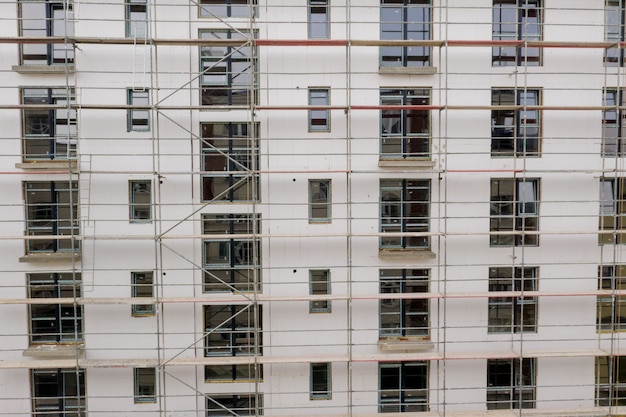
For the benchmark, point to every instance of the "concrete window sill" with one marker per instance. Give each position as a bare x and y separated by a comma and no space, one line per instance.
51,257
407,254
43,69
68,350
408,70
406,344
406,163
49,165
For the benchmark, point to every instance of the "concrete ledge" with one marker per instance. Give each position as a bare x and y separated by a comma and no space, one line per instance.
406,344
49,165
407,254
408,70
55,351
43,69
406,163
51,257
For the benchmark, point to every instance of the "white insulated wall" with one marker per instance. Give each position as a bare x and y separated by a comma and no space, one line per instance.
348,155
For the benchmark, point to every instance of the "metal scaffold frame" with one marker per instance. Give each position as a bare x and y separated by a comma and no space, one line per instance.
165,231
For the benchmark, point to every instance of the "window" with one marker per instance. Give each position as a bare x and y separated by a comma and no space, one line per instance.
140,201
612,210
43,18
611,317
514,207
56,323
136,19
232,330
515,132
49,133
52,210
138,119
512,314
610,381
319,284
320,381
614,56
234,405
319,120
404,317
58,392
510,383
145,385
404,133
318,19
227,8
403,387
231,264
227,72
142,286
319,201
238,372
404,208
519,20
230,157
405,20
613,130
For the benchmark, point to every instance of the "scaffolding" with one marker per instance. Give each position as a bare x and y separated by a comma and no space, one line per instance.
226,260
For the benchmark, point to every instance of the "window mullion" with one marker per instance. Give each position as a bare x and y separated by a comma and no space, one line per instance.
49,46
405,50
403,213
618,102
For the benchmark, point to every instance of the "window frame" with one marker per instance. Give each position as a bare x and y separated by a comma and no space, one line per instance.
225,335
401,397
320,381
70,385
323,22
520,384
319,119
611,278
231,329
229,153
135,123
50,7
407,118
610,381
512,130
422,56
145,385
136,291
615,19
218,69
230,11
55,285
613,127
511,213
402,313
320,207
237,406
43,217
134,8
319,286
41,126
399,222
612,214
505,56
522,312
135,189
231,258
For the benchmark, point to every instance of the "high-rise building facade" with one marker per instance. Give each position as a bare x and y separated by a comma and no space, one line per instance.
312,207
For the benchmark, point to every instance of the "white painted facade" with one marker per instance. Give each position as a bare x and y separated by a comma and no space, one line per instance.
566,341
